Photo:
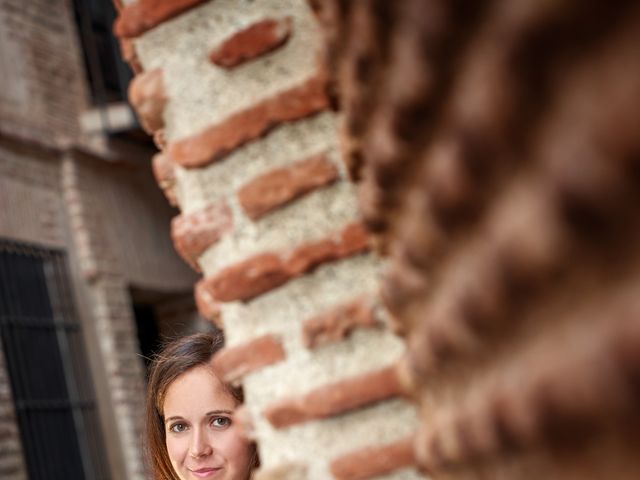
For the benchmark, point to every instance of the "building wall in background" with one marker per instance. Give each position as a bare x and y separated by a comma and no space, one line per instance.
42,86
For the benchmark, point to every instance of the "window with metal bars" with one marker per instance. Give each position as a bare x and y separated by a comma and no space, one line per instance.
45,358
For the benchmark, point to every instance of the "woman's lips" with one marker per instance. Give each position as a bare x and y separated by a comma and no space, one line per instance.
208,472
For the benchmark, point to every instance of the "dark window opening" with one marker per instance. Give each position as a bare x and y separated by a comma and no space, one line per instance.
45,358
107,73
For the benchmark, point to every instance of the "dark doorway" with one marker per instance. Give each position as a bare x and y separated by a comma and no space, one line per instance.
148,333
162,316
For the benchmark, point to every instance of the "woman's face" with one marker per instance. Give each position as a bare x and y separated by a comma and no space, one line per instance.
201,440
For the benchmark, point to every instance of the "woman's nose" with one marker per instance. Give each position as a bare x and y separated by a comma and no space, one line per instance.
200,445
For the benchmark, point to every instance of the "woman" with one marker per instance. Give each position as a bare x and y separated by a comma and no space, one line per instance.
190,433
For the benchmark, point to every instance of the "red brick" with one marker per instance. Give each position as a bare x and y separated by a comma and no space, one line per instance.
263,272
143,15
251,123
255,40
164,172
337,323
193,233
310,255
336,398
286,471
207,306
354,238
282,185
147,96
373,461
248,278
232,363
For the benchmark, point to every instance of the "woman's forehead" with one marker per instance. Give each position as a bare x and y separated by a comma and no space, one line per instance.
197,388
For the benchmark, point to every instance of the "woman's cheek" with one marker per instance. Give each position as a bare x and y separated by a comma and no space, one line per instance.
177,448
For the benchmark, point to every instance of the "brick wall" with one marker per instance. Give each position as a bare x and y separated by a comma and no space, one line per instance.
128,246
234,93
114,224
496,150
30,211
42,88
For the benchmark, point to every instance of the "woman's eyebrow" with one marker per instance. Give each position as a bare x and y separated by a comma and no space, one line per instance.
167,420
218,412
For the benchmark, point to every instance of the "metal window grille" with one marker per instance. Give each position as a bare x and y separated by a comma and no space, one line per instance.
45,358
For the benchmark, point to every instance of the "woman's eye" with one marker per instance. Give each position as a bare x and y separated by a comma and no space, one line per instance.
220,422
178,427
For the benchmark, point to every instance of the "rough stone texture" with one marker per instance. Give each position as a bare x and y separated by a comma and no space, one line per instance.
496,161
255,40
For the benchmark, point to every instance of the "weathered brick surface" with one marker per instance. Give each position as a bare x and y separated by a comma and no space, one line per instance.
249,124
371,462
302,249
334,399
280,186
164,173
266,271
147,96
336,324
142,15
232,363
207,306
255,40
194,232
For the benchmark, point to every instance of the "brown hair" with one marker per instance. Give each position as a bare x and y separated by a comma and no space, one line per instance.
175,359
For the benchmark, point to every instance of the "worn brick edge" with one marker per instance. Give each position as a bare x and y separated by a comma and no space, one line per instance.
265,271
232,363
148,97
335,398
253,41
273,189
335,324
165,175
192,233
207,306
370,462
143,15
218,140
